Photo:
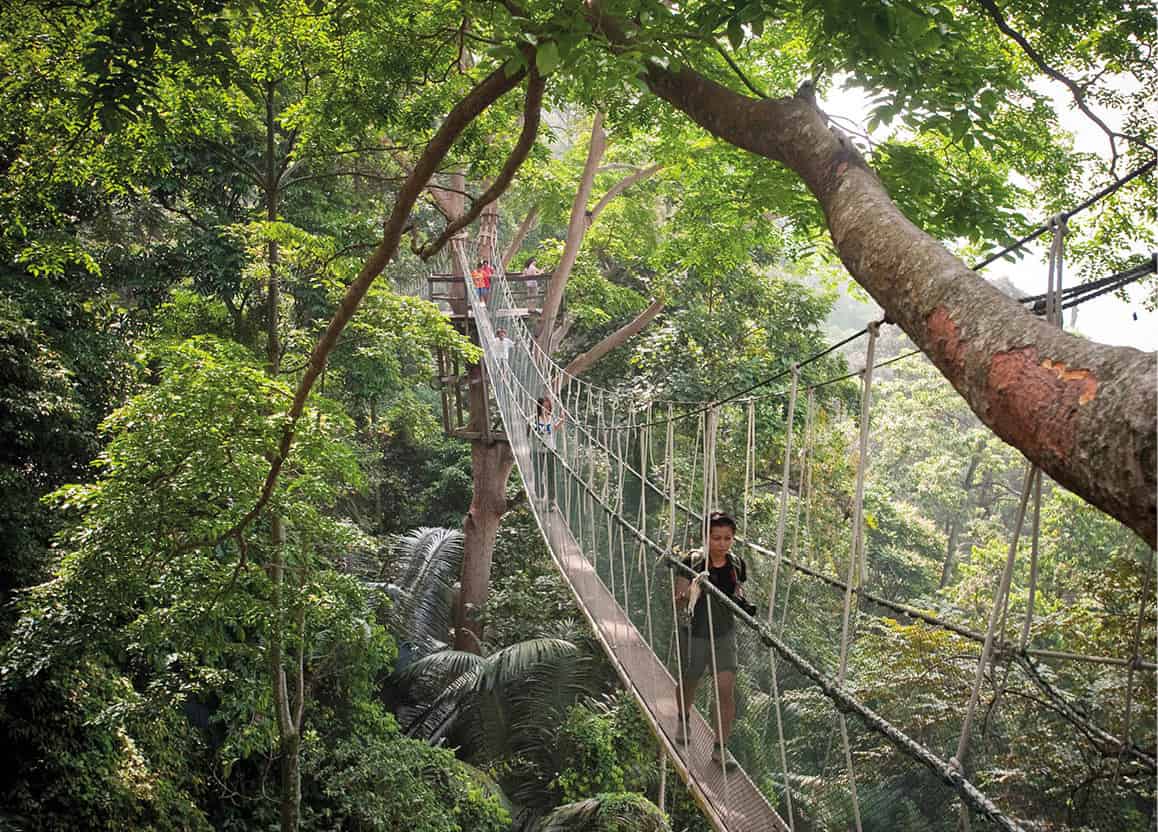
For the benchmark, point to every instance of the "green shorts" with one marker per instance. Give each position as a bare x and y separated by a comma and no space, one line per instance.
696,653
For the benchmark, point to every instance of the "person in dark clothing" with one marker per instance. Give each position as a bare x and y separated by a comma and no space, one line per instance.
727,572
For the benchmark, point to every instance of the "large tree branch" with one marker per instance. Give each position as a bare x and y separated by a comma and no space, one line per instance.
581,363
532,110
576,228
1084,412
481,96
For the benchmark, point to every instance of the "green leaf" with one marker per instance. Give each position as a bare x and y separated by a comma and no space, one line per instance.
735,32
547,57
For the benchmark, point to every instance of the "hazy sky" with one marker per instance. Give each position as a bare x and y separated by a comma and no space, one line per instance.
1106,319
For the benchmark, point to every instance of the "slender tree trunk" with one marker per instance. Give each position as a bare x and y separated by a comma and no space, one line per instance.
581,363
289,727
576,228
956,520
529,222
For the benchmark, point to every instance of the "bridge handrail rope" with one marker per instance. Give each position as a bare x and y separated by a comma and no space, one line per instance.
601,499
839,585
831,688
1000,648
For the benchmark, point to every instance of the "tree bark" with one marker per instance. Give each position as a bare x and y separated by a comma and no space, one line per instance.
529,222
1083,412
491,465
621,186
581,363
576,228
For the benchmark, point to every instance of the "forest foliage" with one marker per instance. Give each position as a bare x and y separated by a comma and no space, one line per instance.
188,190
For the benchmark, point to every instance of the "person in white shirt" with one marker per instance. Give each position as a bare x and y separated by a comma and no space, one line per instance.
503,345
530,270
546,429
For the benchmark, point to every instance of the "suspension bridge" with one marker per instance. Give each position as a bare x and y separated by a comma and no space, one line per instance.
617,491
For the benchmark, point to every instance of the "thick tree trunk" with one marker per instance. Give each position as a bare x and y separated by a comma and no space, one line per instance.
491,465
1083,412
581,363
291,781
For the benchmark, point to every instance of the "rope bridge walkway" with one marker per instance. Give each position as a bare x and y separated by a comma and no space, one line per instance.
821,739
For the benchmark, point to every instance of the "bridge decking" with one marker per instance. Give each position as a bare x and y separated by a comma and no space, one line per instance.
732,803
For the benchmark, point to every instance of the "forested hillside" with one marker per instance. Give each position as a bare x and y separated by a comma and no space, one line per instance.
249,580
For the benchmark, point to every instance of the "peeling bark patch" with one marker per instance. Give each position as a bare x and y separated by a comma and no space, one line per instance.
1064,373
944,339
1035,403
841,168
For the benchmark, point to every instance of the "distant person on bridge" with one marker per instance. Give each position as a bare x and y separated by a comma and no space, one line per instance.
531,270
546,429
503,345
726,571
482,279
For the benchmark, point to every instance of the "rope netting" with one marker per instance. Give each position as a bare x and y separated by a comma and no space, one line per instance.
820,733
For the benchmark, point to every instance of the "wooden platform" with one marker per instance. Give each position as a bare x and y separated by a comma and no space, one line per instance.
731,801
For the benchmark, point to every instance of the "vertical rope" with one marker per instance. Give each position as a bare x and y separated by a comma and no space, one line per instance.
711,425
805,499
749,465
671,484
1135,658
1053,305
856,569
960,759
1036,535
785,470
858,496
692,482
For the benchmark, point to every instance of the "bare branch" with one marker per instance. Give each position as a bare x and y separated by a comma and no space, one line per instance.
1075,90
581,363
621,186
521,233
576,228
468,108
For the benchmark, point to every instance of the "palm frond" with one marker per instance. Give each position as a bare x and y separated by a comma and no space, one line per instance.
429,561
438,670
606,812
517,661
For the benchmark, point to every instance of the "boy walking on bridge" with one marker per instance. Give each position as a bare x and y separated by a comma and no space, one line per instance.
711,630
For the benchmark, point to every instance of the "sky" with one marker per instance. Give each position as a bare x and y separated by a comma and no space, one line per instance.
1107,319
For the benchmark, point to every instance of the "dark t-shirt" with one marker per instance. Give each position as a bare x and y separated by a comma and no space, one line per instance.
727,579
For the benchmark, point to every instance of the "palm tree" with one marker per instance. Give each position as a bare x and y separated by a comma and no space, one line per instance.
606,813
506,704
